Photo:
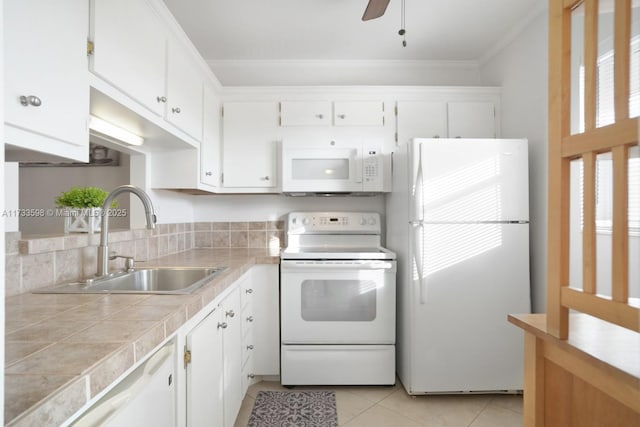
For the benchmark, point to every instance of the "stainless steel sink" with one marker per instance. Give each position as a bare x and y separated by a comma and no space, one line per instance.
165,280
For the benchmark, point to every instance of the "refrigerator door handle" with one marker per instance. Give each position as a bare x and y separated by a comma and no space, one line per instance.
418,257
418,190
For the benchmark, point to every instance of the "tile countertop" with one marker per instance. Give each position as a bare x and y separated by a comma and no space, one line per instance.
61,350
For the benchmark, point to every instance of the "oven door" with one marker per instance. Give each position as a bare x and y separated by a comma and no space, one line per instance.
338,302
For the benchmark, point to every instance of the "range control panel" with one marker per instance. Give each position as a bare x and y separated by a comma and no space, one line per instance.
333,222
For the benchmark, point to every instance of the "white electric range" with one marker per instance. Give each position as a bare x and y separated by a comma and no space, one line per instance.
337,300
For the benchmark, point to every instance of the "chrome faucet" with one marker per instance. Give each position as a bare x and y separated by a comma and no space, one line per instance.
103,249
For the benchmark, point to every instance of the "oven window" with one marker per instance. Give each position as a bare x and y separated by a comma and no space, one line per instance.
320,169
338,300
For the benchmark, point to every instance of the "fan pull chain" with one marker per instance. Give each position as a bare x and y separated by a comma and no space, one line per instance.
402,31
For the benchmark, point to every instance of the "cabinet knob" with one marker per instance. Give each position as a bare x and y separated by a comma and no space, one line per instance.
208,173
161,99
30,100
264,178
251,376
250,319
176,110
342,116
249,291
320,116
230,313
222,325
250,347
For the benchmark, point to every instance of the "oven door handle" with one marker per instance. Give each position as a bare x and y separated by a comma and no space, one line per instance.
325,265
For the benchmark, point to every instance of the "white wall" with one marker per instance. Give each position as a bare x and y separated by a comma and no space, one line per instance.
323,73
521,69
273,207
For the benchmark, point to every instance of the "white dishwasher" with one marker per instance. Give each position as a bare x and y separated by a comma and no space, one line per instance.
145,397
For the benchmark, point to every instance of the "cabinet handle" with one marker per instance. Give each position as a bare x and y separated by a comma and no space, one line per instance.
342,116
250,319
250,347
230,313
176,110
249,291
161,99
222,325
264,178
30,100
251,376
208,173
436,136
320,116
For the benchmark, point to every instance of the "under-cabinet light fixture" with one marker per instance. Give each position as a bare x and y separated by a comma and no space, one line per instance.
112,131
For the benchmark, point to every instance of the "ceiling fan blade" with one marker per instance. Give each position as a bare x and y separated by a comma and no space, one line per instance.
375,9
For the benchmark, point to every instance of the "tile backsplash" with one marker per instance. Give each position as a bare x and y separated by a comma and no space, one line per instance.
36,262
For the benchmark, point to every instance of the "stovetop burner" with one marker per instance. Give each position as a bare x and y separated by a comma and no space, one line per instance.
334,235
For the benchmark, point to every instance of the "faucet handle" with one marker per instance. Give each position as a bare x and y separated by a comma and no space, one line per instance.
129,262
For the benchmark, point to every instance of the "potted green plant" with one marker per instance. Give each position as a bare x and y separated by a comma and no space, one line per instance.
83,208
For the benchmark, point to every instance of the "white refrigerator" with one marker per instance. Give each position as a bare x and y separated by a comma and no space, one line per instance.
458,219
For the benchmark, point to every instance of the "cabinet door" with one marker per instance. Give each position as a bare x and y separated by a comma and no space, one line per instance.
45,58
210,145
266,326
184,91
305,113
358,113
232,341
250,132
471,120
130,50
205,388
421,119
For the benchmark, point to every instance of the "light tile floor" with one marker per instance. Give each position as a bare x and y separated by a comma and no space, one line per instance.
393,407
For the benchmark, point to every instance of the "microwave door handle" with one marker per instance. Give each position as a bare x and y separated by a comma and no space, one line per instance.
357,162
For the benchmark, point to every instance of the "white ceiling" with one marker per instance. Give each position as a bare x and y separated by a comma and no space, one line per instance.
436,30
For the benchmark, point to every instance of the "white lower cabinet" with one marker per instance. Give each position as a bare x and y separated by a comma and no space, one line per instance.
266,324
212,362
232,361
219,351
204,374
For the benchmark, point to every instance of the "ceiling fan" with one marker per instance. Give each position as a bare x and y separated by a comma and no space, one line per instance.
375,9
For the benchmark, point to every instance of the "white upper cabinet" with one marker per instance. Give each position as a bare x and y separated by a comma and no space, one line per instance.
358,113
130,50
184,91
46,85
471,120
421,119
441,119
305,113
210,145
250,134
326,113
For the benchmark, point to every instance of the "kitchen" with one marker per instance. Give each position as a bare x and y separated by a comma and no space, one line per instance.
516,63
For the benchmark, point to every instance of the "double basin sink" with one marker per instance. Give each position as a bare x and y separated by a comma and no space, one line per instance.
162,280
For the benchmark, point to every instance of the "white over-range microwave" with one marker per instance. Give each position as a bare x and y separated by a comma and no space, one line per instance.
332,168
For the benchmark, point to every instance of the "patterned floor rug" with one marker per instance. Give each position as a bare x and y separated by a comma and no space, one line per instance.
294,409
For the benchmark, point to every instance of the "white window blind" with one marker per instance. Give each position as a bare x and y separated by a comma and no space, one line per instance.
605,111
